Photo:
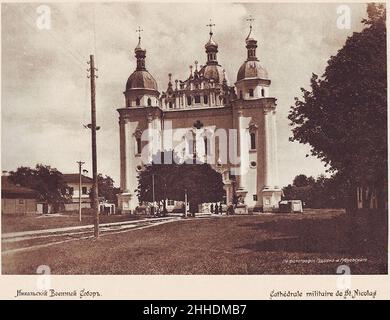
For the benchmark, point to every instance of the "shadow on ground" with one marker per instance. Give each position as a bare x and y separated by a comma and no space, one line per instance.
365,234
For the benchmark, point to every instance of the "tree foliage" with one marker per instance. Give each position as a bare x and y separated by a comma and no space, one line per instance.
302,180
107,189
322,192
47,181
344,115
201,183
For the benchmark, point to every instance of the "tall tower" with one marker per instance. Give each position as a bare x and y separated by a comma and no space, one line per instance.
139,121
141,88
254,113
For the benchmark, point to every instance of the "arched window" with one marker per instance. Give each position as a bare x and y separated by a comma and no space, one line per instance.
149,102
197,99
240,94
262,92
206,99
139,146
189,100
253,141
170,105
251,93
137,102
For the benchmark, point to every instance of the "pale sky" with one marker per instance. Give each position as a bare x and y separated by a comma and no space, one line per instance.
45,92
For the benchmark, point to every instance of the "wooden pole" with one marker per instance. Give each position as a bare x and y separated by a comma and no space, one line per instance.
80,164
92,76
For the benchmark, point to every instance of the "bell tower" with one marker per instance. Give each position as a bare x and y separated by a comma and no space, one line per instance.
139,123
255,119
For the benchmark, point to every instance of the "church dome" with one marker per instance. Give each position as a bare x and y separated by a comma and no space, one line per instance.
251,69
213,71
141,79
211,44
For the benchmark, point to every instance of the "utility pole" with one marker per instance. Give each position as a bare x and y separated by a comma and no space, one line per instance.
95,204
80,164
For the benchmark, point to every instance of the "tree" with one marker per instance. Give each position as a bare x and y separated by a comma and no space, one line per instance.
171,181
344,115
47,181
107,189
322,192
302,180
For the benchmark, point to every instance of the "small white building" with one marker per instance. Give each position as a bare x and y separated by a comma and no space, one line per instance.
72,180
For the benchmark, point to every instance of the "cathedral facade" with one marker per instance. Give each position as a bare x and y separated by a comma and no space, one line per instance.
232,127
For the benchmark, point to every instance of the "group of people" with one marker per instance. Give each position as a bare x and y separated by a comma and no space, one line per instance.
217,209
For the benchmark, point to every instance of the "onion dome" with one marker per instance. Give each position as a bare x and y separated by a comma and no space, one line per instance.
213,72
211,44
211,48
251,68
141,78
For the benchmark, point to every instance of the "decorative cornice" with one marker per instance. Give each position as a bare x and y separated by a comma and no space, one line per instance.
198,112
129,112
255,103
253,80
141,90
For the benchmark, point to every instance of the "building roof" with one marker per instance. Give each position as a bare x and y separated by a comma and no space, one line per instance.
213,72
141,79
11,190
251,69
74,178
211,44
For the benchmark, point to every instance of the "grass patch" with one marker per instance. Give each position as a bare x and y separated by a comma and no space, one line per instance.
260,244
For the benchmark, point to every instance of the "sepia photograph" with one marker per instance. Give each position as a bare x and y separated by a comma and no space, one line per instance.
211,138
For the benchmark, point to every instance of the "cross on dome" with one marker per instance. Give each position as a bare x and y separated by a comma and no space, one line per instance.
139,30
211,46
211,25
138,47
250,19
